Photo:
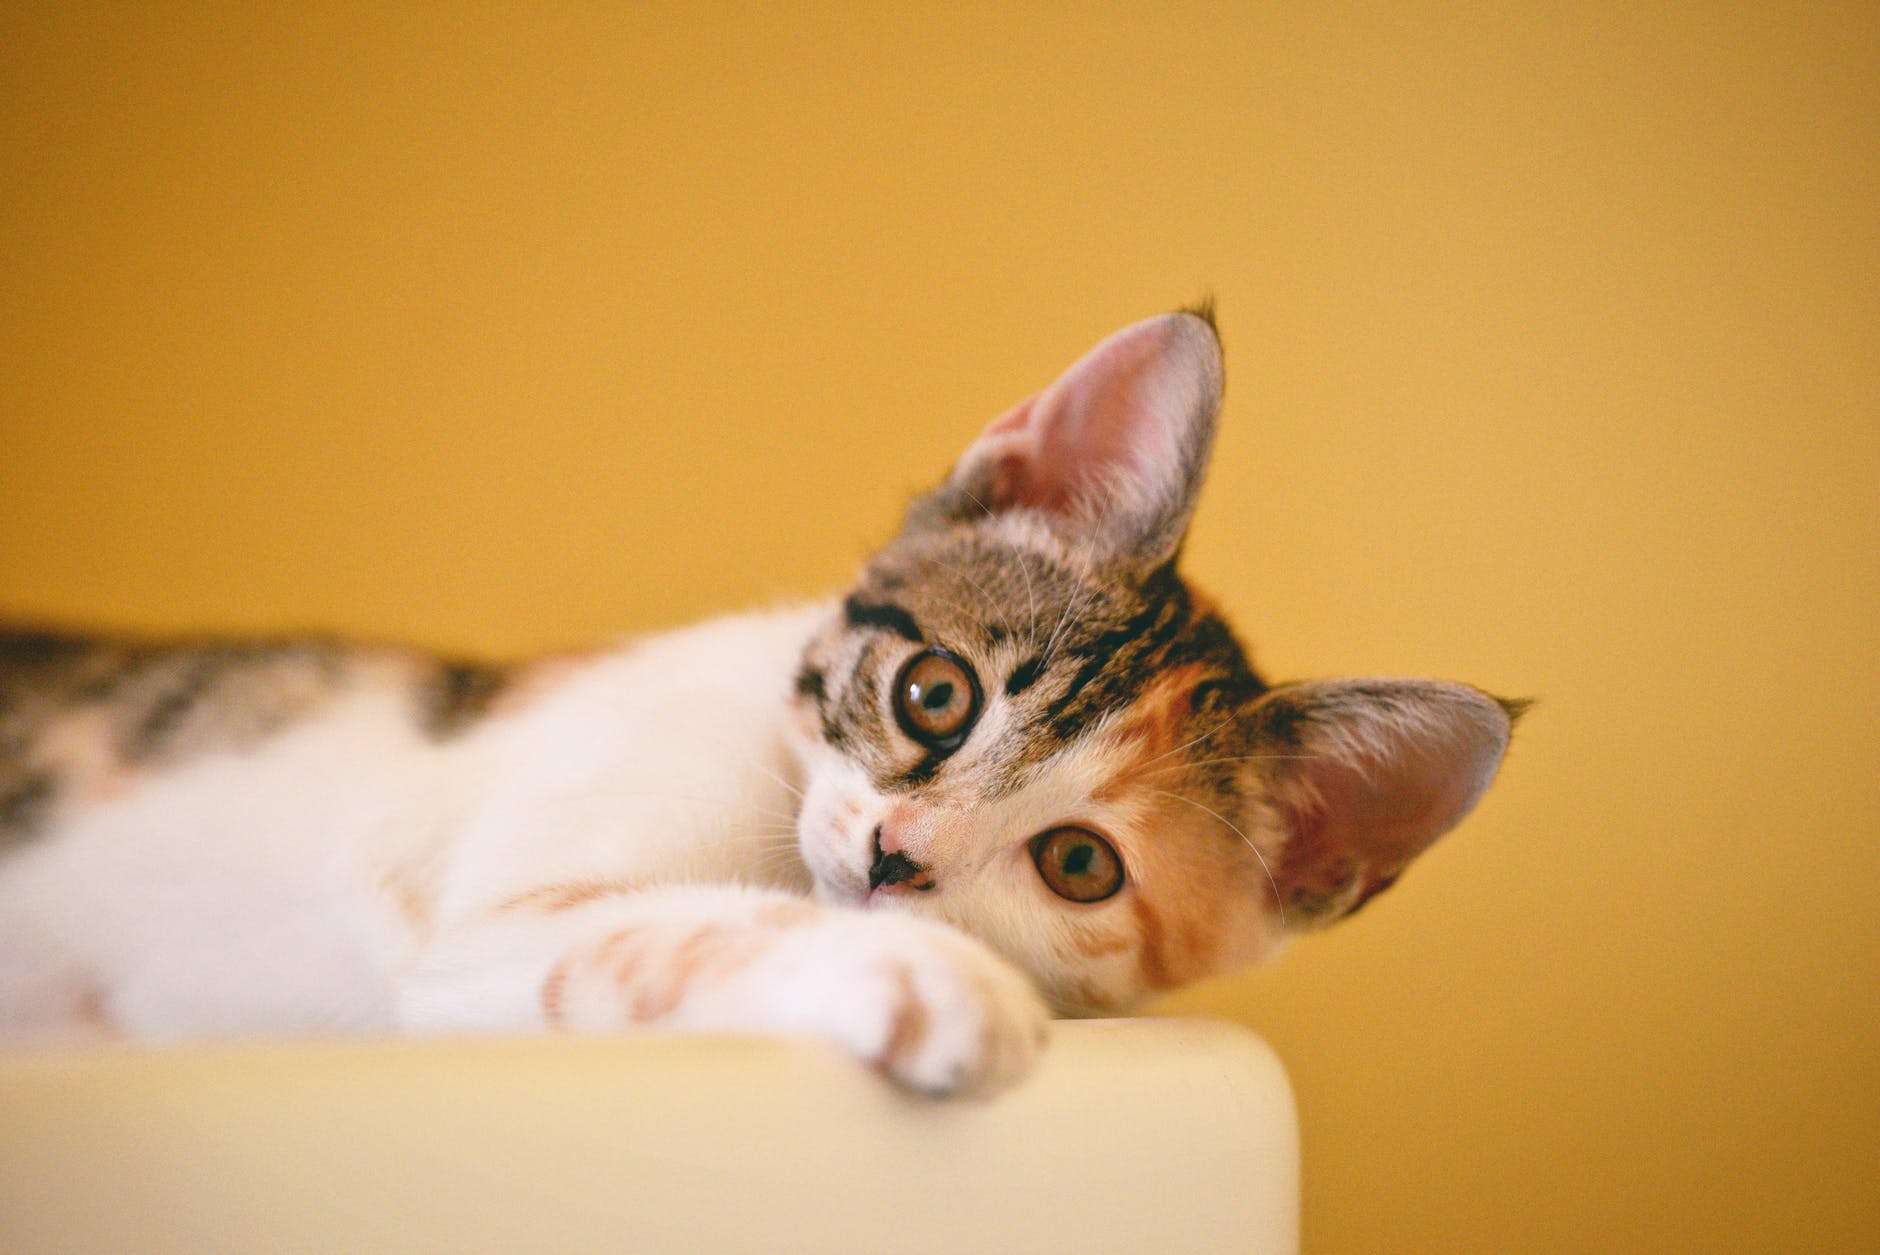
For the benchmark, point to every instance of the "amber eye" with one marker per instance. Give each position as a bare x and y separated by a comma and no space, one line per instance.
1077,864
936,699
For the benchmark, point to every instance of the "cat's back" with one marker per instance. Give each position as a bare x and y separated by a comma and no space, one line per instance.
87,719
187,816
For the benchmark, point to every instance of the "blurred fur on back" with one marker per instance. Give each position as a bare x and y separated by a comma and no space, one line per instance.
81,715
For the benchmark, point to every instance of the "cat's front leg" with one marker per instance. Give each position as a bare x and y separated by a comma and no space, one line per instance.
923,1003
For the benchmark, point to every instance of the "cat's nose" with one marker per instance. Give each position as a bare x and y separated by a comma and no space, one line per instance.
892,867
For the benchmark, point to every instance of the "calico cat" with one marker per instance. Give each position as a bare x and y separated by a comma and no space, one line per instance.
1022,767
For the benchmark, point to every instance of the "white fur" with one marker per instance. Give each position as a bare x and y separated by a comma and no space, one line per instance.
271,890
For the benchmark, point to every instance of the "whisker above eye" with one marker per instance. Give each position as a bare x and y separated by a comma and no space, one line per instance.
1072,608
991,603
1031,596
1031,601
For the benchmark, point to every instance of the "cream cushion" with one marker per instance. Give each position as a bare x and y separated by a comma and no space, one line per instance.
1153,1135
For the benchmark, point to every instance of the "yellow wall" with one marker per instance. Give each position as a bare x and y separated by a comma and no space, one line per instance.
1552,347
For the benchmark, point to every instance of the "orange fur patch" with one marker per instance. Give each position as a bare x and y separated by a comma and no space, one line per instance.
621,955
908,1027
788,913
1089,995
1153,730
1095,943
645,972
412,906
1199,938
603,957
554,989
1152,950
566,895
708,954
653,1001
92,1013
663,996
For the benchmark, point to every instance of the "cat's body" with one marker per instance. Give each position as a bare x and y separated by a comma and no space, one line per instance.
1020,725
331,845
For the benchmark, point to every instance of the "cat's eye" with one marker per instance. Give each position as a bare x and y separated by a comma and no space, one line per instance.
1076,863
936,699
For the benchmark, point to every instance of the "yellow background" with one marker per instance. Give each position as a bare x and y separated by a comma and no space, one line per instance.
1552,361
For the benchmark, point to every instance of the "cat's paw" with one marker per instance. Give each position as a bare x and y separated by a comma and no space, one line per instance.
924,1004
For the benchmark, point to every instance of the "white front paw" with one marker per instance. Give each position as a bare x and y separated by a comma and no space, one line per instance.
925,1004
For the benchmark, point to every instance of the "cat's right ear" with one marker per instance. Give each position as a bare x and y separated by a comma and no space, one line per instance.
1112,453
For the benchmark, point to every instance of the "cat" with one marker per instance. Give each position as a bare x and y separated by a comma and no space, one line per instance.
1021,768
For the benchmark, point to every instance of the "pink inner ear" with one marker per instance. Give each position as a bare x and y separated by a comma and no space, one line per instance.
1374,785
1115,421
1008,449
1354,833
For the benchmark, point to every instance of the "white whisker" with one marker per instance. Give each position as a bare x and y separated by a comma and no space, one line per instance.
1031,595
1071,609
1277,899
991,603
1185,744
1031,601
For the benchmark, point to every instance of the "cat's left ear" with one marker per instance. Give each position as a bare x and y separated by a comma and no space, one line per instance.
1113,452
1364,776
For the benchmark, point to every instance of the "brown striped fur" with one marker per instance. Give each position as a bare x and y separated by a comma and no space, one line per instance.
85,716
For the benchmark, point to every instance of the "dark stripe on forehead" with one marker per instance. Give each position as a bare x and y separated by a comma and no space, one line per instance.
847,710
1168,630
813,684
1118,658
884,615
1211,642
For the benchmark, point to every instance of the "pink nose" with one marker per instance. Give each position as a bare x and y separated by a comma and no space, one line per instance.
893,870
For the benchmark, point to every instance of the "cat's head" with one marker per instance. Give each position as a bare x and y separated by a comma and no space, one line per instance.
1026,723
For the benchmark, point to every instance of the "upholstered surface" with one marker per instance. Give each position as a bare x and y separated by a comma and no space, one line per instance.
1134,1136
